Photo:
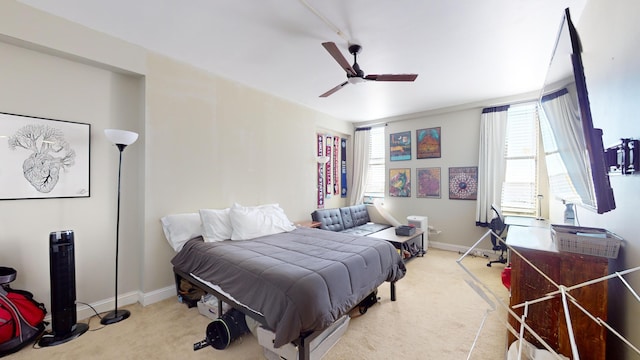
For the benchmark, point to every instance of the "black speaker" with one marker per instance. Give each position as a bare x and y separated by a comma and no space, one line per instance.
62,270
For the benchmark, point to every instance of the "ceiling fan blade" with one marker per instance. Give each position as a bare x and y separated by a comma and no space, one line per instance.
335,52
392,77
334,89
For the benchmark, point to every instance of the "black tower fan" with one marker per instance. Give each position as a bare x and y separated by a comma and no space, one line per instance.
63,291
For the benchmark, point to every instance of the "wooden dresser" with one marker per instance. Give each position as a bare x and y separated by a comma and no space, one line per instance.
547,318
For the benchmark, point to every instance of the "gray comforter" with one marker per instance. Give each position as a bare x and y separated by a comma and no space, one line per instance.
301,281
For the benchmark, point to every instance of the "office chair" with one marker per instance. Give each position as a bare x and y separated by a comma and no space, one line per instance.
498,226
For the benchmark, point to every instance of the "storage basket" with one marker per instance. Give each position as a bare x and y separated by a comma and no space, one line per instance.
404,230
586,241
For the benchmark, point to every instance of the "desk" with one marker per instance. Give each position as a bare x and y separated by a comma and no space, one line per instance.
534,238
547,318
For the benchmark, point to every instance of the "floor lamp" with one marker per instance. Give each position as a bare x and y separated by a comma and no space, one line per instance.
121,138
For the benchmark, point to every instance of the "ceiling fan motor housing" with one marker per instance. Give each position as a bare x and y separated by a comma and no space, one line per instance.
359,72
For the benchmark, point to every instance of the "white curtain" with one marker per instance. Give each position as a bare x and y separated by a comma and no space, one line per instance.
491,162
566,129
361,142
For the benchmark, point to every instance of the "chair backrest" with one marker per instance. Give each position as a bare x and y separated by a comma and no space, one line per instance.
497,223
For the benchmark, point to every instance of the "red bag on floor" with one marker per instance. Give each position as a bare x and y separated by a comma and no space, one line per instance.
21,319
506,277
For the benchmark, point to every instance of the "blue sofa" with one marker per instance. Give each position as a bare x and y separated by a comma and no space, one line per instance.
350,219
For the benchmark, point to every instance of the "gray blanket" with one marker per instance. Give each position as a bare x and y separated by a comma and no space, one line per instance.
301,281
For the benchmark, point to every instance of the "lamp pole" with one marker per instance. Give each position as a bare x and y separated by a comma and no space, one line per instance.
121,139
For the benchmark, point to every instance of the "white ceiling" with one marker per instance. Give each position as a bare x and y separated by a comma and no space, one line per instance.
465,51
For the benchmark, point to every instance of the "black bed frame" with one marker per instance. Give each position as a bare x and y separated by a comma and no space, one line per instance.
302,342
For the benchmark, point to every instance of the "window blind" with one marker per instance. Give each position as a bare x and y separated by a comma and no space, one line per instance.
519,192
376,177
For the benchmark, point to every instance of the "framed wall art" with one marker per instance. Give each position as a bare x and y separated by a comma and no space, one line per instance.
400,146
428,143
400,182
428,183
463,183
43,158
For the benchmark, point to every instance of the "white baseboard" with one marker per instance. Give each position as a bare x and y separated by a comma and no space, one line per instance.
157,295
84,311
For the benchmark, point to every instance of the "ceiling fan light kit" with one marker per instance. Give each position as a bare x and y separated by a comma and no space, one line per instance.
354,73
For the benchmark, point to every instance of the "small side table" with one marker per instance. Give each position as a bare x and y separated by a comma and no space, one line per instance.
309,224
389,234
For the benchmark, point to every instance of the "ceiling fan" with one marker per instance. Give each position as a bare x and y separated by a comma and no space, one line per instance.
354,73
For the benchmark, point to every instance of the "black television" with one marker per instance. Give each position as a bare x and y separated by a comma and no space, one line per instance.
574,150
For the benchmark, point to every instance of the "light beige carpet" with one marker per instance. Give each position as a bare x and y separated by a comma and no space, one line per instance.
436,316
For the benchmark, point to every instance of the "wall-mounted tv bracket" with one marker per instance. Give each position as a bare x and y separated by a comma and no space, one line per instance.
624,158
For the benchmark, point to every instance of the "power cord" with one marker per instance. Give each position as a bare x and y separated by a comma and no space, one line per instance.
46,334
95,314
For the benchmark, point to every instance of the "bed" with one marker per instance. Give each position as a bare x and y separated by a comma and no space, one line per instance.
295,283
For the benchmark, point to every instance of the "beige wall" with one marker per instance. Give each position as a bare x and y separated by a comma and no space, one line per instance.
455,219
206,142
211,142
38,84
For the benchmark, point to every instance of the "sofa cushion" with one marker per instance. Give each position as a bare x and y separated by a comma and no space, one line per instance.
329,219
347,221
357,231
359,214
366,229
370,228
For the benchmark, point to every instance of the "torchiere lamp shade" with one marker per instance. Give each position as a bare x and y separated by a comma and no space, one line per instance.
121,137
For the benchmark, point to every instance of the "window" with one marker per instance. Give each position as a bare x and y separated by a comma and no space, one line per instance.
520,189
376,178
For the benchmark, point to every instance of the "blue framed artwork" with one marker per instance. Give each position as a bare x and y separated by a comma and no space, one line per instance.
400,146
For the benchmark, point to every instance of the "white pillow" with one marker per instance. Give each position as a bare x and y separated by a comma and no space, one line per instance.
180,228
216,224
255,221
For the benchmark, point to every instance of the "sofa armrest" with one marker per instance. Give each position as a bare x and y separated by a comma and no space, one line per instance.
329,219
